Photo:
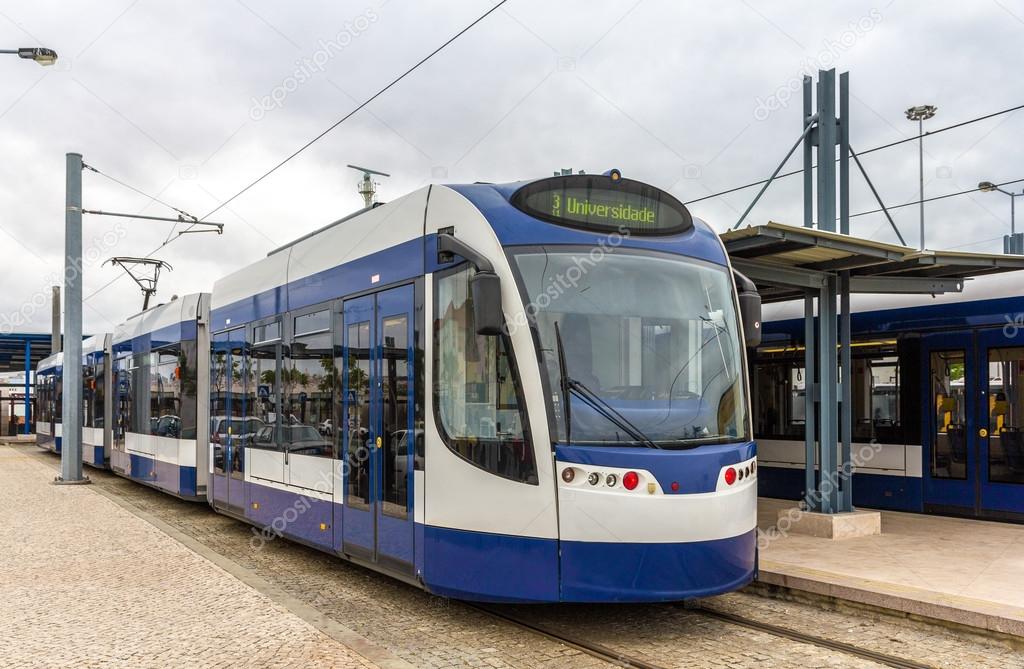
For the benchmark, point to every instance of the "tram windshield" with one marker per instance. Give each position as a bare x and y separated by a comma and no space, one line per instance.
654,337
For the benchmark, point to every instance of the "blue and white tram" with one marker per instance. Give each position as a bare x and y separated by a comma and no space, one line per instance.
938,401
49,383
160,372
530,392
96,411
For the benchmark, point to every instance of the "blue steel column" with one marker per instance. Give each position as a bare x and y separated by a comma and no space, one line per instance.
846,361
828,372
810,424
28,385
71,415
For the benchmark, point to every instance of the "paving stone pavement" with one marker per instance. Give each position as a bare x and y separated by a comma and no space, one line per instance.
427,631
85,583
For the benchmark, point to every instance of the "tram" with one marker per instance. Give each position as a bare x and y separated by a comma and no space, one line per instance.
938,402
526,392
49,393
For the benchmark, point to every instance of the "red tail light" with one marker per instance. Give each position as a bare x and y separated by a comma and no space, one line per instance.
730,476
630,480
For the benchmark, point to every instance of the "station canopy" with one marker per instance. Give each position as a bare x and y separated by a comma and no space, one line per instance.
13,349
785,261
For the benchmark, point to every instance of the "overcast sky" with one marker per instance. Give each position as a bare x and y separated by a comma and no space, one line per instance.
190,101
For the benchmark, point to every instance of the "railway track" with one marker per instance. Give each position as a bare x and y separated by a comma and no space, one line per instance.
620,659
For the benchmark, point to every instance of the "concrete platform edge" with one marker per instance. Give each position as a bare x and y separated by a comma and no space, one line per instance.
965,611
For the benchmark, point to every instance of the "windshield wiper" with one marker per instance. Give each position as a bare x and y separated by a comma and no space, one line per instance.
594,401
563,373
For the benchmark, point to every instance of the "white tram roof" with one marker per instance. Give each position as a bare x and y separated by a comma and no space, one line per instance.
185,308
51,362
361,234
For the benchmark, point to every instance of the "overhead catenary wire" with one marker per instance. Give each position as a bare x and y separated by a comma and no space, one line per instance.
140,192
932,199
359,107
308,144
860,153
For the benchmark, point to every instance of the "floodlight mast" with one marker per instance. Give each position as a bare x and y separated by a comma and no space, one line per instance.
368,187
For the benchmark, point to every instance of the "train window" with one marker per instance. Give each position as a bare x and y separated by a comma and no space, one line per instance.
949,415
1006,415
267,333
357,423
264,393
99,394
876,396
318,321
307,388
780,384
476,388
165,393
395,410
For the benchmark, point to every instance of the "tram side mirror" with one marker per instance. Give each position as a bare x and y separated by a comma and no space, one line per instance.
486,287
750,310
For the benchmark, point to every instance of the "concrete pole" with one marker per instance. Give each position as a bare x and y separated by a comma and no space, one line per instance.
71,416
55,321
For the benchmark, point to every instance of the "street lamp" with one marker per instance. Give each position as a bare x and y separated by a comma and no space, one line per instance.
1013,243
921,114
42,56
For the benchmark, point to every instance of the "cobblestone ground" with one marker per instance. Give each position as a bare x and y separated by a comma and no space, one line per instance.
427,631
85,583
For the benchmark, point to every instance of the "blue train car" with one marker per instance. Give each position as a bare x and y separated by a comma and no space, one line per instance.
938,403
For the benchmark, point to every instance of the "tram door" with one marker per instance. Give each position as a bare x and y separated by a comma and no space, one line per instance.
119,460
378,439
228,425
974,430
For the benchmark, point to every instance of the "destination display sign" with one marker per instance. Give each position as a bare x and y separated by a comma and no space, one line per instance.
603,204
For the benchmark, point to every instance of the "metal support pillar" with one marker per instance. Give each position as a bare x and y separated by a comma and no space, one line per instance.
828,372
28,387
846,404
811,499
71,415
845,500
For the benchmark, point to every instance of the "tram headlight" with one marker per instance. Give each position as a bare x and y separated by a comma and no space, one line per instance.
568,474
611,480
594,478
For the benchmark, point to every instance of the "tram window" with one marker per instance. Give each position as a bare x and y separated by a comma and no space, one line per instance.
1006,415
876,399
779,390
165,395
318,321
87,396
476,388
98,394
949,421
357,422
780,397
264,394
307,388
139,383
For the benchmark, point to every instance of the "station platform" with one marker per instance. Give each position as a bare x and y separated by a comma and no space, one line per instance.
963,571
85,582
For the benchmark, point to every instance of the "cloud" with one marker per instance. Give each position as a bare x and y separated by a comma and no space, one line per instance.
160,95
